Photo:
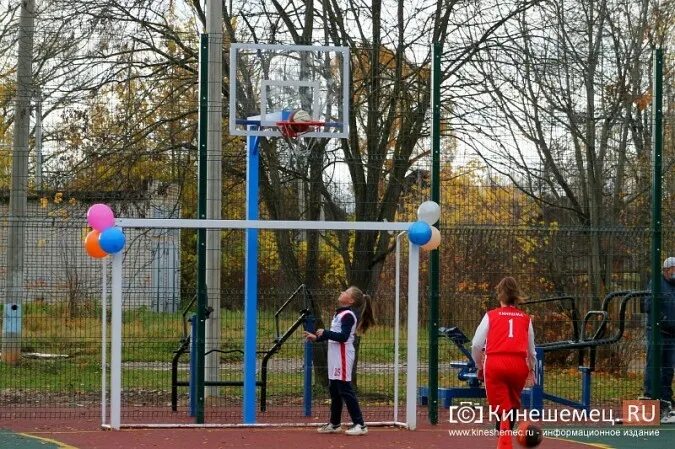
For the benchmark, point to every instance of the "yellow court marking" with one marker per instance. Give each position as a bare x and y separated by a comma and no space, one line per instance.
598,445
52,432
49,440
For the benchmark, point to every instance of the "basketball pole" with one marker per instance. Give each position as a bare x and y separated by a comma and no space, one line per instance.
251,268
251,280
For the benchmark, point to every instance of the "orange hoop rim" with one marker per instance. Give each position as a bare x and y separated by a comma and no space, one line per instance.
294,129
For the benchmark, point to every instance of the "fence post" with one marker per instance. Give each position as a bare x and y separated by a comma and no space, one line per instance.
657,192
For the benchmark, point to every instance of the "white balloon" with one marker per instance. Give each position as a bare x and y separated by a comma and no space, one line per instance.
429,212
434,241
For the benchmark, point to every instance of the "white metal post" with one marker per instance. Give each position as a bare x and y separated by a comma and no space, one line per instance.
116,342
397,323
413,303
104,335
185,223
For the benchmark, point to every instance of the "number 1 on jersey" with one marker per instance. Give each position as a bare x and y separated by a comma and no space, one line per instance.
510,327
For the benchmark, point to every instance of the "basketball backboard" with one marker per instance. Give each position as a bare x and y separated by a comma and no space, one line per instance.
269,81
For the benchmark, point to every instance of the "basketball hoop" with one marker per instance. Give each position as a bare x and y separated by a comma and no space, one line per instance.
292,130
294,86
299,122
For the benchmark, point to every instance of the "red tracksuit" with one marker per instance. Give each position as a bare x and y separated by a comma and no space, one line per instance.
507,336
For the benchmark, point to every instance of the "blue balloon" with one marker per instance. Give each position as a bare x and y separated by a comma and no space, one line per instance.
419,232
112,240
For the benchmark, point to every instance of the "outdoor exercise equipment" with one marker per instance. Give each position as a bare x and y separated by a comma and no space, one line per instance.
531,398
305,319
585,342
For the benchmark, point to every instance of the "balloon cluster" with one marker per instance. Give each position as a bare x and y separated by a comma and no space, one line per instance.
105,238
422,232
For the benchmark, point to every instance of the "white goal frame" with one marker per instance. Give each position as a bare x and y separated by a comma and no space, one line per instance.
116,283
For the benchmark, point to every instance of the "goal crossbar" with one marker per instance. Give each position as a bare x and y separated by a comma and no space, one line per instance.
184,223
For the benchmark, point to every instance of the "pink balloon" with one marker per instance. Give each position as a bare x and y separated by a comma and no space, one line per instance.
100,217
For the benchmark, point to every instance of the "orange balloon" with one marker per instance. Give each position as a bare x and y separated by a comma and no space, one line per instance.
92,246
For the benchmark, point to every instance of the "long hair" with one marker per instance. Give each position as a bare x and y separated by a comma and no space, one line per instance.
362,302
508,292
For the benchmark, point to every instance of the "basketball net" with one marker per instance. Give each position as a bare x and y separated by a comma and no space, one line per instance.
299,148
292,133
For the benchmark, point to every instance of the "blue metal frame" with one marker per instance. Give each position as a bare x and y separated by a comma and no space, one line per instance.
585,403
531,398
251,281
193,367
251,275
310,324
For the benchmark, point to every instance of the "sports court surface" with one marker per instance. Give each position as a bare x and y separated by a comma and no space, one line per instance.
86,434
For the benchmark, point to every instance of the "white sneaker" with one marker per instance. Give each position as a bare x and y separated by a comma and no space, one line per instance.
329,428
668,418
357,429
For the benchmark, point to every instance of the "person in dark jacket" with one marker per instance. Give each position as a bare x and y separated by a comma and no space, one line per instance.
667,328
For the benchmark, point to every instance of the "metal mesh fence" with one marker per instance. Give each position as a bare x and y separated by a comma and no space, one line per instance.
60,371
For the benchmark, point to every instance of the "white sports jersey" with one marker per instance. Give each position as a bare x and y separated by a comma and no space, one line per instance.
341,355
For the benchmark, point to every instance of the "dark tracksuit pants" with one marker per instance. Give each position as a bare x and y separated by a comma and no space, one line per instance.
667,365
343,391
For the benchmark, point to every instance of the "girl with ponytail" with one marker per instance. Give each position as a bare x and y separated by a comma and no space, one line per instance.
353,316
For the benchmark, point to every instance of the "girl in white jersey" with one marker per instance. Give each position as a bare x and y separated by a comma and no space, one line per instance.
354,315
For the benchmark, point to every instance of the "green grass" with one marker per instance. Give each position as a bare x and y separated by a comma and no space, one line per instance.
64,377
151,337
567,383
51,376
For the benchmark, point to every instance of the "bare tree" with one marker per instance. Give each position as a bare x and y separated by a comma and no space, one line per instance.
107,43
563,112
390,43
